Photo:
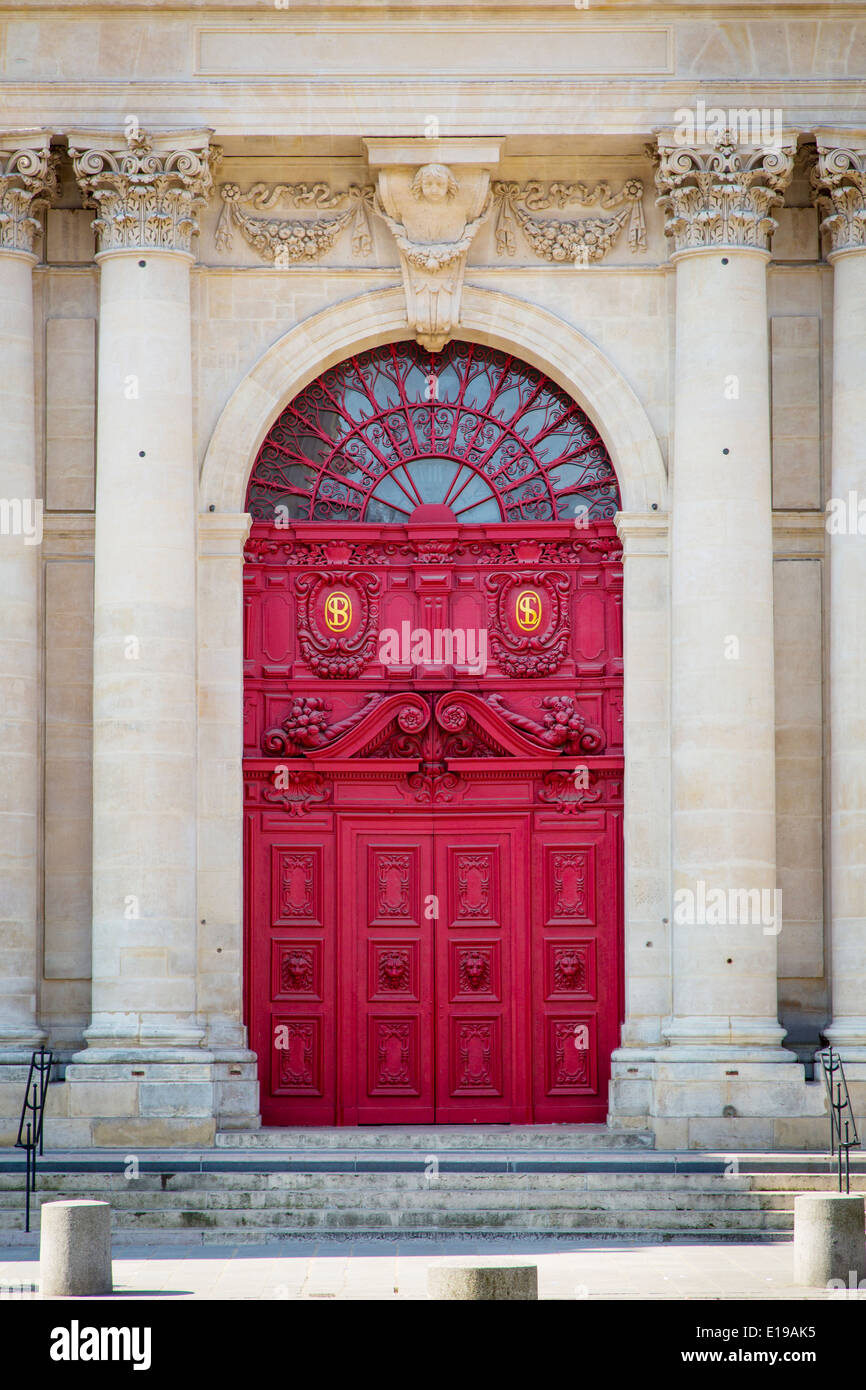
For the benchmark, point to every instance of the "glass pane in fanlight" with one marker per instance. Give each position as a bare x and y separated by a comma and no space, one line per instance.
484,511
401,497
432,478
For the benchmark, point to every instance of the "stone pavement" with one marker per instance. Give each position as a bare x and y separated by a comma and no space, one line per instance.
386,1269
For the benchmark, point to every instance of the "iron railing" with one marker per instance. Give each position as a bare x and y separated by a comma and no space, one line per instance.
843,1126
32,1116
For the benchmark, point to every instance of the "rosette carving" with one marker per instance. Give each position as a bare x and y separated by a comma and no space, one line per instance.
28,179
147,189
722,195
286,240
582,240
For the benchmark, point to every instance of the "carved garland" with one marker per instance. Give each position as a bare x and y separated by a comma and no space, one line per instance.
584,240
287,240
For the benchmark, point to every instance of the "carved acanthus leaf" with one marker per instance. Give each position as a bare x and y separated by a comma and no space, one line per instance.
285,240
839,182
306,725
147,189
561,726
582,240
721,195
28,178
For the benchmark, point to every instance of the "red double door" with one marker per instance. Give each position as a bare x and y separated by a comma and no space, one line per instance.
436,969
433,904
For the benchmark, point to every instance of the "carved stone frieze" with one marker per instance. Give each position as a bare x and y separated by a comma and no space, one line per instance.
286,240
147,189
839,183
721,194
582,240
28,178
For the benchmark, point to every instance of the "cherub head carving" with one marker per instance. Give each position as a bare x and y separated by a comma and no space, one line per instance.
434,183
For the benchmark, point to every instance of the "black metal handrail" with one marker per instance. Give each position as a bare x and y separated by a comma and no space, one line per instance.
843,1126
31,1123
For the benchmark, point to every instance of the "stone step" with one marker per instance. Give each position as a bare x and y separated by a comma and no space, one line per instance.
437,1195
391,1181
505,1138
444,1217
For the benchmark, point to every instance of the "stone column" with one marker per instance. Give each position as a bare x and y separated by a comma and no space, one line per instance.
840,181
718,202
146,192
27,178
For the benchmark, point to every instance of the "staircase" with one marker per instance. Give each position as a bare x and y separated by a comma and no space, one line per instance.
402,1184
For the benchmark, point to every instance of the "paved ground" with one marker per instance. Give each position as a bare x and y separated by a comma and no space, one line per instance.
384,1269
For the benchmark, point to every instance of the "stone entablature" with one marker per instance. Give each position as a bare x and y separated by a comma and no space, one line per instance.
146,189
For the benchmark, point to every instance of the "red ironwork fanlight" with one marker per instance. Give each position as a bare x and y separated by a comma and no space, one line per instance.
398,428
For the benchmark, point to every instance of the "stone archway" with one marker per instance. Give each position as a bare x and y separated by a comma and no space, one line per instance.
580,368
488,317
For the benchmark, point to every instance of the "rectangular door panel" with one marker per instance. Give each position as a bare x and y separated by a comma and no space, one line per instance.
293,985
482,1006
386,955
575,989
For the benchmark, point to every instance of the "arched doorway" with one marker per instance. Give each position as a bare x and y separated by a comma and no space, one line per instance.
433,747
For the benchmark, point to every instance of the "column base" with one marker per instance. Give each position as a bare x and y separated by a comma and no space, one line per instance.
16,1042
159,1097
723,1032
723,1098
848,1036
131,1033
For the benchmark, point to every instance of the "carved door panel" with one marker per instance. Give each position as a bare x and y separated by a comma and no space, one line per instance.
293,983
387,974
574,969
482,1007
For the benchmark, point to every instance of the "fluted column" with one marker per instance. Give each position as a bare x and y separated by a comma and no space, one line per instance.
146,192
27,178
840,181
718,203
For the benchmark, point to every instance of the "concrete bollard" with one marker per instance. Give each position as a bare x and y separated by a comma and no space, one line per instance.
829,1238
481,1280
75,1249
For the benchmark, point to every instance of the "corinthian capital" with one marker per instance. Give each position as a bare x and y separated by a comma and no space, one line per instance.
28,177
839,184
721,194
146,189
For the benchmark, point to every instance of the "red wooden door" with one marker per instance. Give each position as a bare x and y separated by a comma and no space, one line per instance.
292,970
387,974
482,963
574,967
433,748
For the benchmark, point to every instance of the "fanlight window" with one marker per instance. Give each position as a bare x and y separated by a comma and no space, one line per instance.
398,427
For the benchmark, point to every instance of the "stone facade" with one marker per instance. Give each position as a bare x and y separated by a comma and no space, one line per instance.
662,208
